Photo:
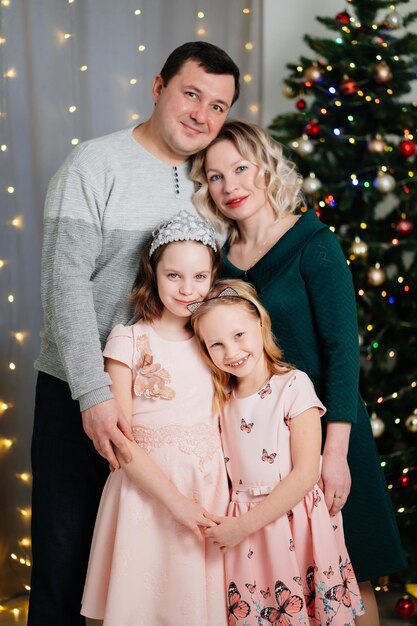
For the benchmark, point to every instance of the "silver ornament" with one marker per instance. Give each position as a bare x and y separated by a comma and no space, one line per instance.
377,425
303,146
411,423
311,184
384,183
376,275
359,248
393,20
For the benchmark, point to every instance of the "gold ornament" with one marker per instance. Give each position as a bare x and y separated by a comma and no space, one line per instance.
383,73
377,425
376,275
411,423
359,248
288,91
312,74
311,184
376,145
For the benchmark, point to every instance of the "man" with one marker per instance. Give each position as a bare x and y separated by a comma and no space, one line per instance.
101,206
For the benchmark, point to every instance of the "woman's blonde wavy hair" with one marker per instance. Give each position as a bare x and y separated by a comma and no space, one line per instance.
247,299
277,174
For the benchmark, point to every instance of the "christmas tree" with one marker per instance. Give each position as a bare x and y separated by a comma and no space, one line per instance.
353,136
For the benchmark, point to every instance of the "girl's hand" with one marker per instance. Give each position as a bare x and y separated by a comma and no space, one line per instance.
226,533
190,514
335,481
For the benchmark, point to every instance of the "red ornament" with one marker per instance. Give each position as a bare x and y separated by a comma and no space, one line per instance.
405,607
312,129
343,17
404,227
301,104
348,86
407,147
404,480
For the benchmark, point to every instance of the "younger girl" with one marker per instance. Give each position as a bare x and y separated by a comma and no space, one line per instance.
286,560
149,563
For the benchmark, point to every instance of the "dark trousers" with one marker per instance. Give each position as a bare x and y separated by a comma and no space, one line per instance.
68,478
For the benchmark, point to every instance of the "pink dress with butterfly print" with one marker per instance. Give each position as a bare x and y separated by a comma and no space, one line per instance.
145,569
296,570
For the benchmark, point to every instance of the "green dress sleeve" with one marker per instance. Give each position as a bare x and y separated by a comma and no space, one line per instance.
329,286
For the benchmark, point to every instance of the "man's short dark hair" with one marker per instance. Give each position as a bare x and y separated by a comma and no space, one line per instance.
212,59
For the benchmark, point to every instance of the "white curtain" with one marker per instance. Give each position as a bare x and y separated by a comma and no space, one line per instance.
43,46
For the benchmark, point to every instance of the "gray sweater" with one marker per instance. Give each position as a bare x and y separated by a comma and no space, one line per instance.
101,206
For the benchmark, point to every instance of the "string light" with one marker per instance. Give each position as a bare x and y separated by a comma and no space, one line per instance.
201,31
20,336
10,189
72,108
75,141
137,11
141,48
200,15
24,477
83,68
3,147
249,45
6,443
12,366
10,298
247,78
133,81
11,73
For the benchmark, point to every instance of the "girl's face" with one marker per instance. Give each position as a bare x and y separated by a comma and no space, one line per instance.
183,275
233,338
232,183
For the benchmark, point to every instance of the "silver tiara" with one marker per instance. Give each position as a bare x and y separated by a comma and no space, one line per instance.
228,292
184,226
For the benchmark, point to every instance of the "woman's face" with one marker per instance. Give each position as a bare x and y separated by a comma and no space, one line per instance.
233,184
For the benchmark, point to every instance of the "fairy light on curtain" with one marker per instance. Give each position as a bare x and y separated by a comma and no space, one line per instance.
136,81
13,350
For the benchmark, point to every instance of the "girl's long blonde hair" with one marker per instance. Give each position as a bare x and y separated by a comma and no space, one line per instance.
277,174
247,299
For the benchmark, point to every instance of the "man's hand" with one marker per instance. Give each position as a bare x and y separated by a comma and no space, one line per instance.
108,428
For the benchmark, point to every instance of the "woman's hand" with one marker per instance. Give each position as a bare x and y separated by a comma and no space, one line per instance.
226,533
335,481
191,515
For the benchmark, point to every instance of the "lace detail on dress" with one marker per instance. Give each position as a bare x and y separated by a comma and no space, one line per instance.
201,440
151,380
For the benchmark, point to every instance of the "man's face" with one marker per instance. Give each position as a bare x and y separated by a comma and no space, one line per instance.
190,110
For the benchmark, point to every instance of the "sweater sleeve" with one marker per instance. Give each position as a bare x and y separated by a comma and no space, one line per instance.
71,245
332,301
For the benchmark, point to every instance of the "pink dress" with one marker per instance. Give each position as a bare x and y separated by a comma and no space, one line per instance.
145,569
296,570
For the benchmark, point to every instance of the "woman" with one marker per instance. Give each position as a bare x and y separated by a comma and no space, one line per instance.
298,268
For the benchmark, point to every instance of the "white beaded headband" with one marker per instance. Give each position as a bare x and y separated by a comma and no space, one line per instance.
184,226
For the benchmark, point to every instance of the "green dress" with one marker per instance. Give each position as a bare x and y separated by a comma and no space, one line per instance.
306,286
